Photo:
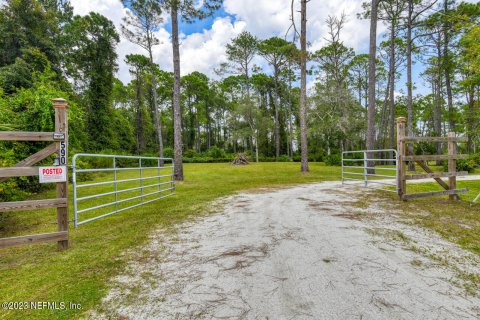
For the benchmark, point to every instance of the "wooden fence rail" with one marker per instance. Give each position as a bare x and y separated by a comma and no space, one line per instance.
404,156
26,168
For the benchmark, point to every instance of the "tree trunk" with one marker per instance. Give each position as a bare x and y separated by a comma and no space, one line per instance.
303,88
177,113
437,113
256,146
158,123
139,117
409,70
371,80
469,120
447,69
411,165
383,118
277,120
197,133
209,127
391,121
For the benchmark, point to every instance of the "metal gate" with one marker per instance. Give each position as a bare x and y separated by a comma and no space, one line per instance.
374,169
122,183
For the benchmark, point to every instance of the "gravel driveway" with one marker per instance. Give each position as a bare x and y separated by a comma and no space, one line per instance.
305,252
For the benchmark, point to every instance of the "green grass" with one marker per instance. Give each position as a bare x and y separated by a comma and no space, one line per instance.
80,274
456,221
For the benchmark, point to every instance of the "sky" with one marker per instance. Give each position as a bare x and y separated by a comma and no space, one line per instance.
202,44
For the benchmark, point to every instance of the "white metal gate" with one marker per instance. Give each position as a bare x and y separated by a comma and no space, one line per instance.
376,169
121,183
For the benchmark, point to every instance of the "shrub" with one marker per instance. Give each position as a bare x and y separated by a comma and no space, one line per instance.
462,165
9,191
190,153
168,152
476,158
333,160
284,158
216,153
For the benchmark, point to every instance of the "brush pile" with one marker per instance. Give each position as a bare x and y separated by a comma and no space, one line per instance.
240,160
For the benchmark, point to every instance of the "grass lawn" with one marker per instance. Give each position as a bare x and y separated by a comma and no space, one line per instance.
80,274
456,221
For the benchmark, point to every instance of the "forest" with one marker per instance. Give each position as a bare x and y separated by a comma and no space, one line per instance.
46,52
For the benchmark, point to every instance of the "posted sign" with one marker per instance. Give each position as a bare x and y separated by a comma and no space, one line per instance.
52,174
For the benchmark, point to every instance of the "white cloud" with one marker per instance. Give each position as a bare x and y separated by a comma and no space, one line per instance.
205,50
266,18
201,51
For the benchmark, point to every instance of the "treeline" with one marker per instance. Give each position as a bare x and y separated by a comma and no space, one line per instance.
436,36
47,52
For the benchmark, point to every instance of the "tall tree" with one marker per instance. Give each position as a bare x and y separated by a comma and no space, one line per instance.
189,12
359,77
447,62
27,24
142,20
371,77
240,53
415,10
138,65
334,64
277,52
91,61
469,63
303,87
391,11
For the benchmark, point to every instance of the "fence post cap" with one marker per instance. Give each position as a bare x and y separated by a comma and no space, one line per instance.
401,120
60,103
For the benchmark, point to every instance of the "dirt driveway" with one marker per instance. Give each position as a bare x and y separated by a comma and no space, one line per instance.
306,252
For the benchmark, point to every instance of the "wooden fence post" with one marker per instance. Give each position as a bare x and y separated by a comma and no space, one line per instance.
61,126
452,165
401,149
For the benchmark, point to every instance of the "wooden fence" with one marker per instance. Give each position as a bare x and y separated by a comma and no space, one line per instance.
404,156
26,168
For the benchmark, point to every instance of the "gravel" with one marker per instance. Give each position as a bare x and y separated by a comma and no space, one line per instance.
305,252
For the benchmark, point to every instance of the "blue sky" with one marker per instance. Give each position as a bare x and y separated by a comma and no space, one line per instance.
199,25
203,42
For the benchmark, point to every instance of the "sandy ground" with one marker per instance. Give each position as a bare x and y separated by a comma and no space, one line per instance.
305,252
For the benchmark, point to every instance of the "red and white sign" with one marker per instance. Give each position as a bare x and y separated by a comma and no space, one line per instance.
52,174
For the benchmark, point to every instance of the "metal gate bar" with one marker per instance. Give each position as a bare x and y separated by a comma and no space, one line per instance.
365,169
170,189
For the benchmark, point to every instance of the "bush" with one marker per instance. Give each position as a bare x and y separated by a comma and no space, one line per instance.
476,158
333,160
190,153
168,152
9,191
462,165
284,158
216,153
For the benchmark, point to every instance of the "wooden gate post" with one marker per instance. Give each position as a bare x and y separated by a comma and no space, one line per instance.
61,126
401,149
452,165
